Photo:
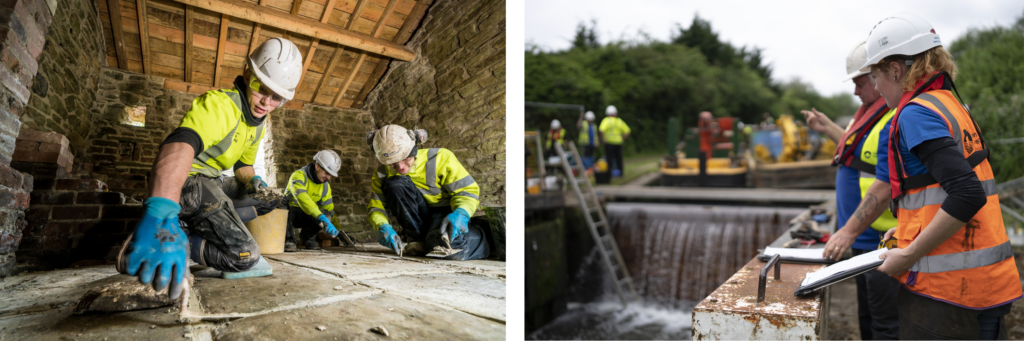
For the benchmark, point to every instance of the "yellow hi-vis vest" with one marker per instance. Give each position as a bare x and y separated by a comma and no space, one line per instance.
218,119
555,138
440,178
584,138
311,197
869,155
613,128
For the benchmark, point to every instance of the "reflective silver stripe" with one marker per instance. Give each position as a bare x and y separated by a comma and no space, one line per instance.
867,175
297,181
323,194
467,194
216,150
328,202
431,173
964,260
955,126
375,196
936,195
461,183
374,209
301,191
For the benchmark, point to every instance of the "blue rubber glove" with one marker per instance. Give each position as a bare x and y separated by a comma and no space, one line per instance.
459,221
330,227
159,247
387,236
257,183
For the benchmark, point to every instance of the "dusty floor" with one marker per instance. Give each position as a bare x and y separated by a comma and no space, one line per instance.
348,292
843,314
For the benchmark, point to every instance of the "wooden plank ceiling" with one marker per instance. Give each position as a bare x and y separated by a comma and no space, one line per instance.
199,45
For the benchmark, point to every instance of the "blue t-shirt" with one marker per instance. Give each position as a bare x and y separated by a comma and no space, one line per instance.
917,125
847,200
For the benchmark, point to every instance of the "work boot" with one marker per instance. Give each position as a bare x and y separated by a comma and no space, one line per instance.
312,244
290,247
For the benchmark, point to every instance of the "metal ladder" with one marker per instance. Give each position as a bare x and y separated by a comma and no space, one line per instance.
596,221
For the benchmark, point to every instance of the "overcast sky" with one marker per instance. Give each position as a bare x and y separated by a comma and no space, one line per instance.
805,39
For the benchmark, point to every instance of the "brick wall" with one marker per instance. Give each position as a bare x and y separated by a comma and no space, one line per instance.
72,220
23,28
298,135
455,88
63,91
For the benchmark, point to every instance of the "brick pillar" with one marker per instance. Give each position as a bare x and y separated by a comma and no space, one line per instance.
23,27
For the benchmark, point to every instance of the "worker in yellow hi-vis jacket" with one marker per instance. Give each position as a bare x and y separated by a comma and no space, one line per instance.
309,200
427,191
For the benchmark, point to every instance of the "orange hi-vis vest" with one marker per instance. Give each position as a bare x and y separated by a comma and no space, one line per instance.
974,268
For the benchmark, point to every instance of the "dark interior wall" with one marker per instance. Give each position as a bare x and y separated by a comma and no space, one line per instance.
63,91
455,89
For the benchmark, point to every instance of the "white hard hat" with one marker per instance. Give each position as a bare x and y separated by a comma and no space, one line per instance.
854,61
393,143
277,63
902,34
589,116
611,110
329,161
555,124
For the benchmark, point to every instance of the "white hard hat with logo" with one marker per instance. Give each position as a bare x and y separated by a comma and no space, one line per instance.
611,111
589,116
277,63
902,34
555,124
394,143
854,61
329,161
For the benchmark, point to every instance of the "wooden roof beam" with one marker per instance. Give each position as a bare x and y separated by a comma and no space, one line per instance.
362,55
255,38
312,46
305,26
220,48
337,52
114,9
140,6
190,14
412,21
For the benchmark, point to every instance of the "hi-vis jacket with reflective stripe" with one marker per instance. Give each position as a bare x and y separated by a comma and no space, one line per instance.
217,117
974,268
440,178
613,128
312,197
869,156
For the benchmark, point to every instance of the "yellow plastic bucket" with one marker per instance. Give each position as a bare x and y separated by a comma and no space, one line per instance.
269,231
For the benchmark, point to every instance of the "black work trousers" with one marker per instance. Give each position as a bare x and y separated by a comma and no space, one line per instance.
422,223
876,304
217,236
613,152
922,318
298,219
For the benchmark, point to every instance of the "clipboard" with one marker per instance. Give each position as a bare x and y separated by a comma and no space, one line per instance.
840,271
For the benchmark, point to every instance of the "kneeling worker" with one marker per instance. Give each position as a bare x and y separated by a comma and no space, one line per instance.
424,189
221,131
309,200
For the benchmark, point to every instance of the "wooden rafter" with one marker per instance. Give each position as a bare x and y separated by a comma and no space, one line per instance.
190,14
339,50
295,11
220,48
255,39
304,26
362,55
114,9
412,21
140,6
312,47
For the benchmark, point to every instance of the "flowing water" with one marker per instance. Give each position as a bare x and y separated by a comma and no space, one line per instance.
677,255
